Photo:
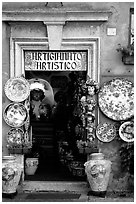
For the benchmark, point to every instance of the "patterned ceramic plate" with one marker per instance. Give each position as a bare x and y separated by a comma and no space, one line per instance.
116,99
106,132
126,131
15,136
15,114
17,89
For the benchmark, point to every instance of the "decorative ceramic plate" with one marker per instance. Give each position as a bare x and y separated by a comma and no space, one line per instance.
116,99
126,131
17,89
15,136
45,87
15,114
106,132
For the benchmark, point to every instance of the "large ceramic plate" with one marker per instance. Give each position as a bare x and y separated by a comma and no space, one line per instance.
116,99
106,132
126,131
15,136
41,84
15,114
17,89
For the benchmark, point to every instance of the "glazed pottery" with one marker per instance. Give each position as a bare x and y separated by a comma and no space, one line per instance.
15,115
126,131
98,173
11,172
116,99
31,165
106,132
17,89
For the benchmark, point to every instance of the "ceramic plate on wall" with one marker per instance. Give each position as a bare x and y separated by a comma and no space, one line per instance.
15,114
15,136
126,131
17,89
116,99
106,132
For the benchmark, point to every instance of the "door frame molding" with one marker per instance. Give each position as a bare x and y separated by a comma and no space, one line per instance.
92,44
19,45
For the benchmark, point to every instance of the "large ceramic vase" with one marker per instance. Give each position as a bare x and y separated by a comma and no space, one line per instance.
11,172
31,165
98,173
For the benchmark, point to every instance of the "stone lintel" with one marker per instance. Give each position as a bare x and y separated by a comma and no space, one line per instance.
58,15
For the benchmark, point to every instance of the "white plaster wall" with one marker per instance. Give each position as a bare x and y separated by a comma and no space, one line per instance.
28,29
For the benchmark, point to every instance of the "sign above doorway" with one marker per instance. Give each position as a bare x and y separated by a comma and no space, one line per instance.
56,60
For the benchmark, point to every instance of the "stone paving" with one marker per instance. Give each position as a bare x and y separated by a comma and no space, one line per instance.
22,197
82,188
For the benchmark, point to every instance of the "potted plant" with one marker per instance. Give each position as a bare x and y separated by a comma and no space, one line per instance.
127,53
32,161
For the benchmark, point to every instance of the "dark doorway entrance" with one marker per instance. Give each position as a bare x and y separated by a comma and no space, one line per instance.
54,127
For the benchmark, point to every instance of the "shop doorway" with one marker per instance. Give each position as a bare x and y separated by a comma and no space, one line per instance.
55,122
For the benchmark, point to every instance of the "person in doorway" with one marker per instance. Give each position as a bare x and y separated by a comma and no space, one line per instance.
38,109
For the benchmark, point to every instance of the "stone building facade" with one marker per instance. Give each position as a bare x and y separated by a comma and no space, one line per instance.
97,26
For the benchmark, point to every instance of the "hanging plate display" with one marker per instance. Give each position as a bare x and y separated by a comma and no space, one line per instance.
15,114
126,131
116,99
106,132
17,89
45,91
15,137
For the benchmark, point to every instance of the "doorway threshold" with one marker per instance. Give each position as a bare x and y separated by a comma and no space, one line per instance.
43,186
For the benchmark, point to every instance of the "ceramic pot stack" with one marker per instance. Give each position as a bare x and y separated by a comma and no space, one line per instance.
98,173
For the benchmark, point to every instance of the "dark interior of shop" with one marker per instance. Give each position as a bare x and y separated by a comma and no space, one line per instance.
53,127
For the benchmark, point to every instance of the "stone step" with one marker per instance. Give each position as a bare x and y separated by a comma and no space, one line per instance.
41,186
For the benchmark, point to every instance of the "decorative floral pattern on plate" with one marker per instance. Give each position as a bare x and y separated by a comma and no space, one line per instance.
116,99
126,131
15,114
17,89
15,136
106,132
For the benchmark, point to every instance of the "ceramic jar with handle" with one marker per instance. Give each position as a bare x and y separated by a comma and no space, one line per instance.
11,173
98,173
